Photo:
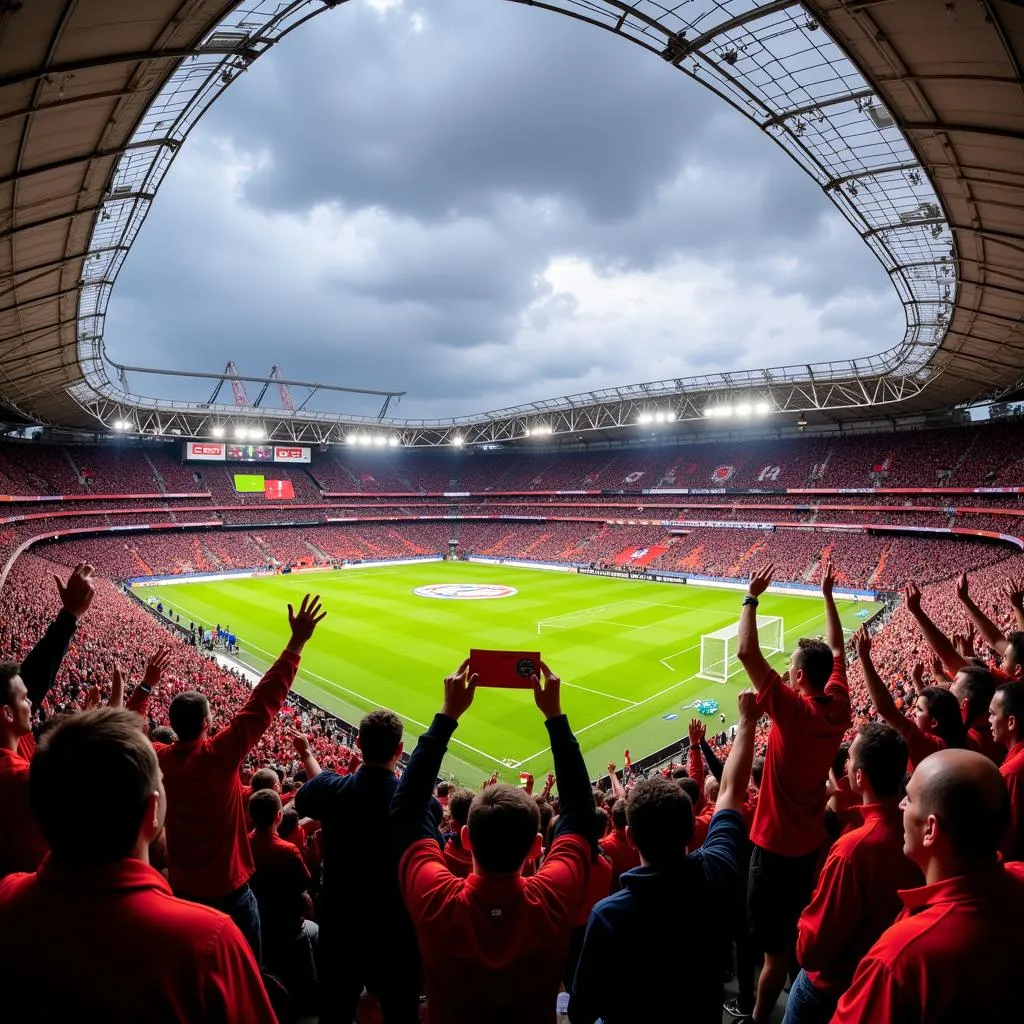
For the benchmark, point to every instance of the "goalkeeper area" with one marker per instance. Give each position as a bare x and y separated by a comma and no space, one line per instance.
628,651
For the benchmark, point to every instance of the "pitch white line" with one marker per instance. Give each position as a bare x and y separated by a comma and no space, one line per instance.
598,693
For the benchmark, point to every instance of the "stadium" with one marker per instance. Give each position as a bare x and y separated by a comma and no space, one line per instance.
614,532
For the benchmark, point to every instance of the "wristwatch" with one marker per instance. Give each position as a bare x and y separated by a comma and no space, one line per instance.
750,599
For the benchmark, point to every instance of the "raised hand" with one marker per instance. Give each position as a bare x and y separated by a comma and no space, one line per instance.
155,668
862,643
76,595
459,691
761,580
912,598
304,622
117,681
747,702
611,767
963,588
827,578
938,669
548,697
1014,591
92,698
697,731
300,741
917,675
492,781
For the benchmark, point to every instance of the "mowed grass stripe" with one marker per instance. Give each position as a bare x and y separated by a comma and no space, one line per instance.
383,646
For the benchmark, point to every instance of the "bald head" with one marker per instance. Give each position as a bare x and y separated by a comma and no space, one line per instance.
965,793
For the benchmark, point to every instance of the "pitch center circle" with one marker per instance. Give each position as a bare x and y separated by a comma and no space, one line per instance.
465,591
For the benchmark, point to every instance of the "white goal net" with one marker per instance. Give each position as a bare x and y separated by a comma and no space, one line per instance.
718,659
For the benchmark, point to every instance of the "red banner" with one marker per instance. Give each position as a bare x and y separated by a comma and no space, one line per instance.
275,490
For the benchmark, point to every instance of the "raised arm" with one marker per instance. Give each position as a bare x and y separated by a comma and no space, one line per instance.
694,758
736,775
833,625
748,646
300,741
992,634
40,666
712,760
878,691
617,789
1014,591
937,640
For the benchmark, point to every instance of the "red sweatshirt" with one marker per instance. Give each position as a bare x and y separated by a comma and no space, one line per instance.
207,845
856,900
623,854
954,954
113,944
805,735
22,846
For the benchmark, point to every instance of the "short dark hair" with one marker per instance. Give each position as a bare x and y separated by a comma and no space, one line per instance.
458,805
263,807
660,818
265,778
380,734
882,757
105,744
547,812
1016,641
815,657
691,787
162,734
1011,700
187,713
839,761
619,814
8,670
289,822
443,789
757,770
503,823
977,684
945,709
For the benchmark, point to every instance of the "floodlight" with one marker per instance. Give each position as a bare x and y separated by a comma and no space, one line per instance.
241,433
744,409
380,440
394,441
711,411
659,417
669,417
457,441
350,439
365,439
120,425
644,417
256,434
217,431
762,408
724,410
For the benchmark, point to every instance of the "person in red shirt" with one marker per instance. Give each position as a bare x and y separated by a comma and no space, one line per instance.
937,723
956,949
208,854
22,689
95,934
857,894
494,944
1006,716
456,856
281,883
809,717
623,855
973,687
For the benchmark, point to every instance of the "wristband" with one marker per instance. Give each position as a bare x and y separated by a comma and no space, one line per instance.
145,689
750,599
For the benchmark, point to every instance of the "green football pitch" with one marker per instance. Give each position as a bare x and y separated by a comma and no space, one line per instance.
628,651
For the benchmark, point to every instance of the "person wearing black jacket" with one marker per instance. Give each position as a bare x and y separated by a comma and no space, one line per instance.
494,944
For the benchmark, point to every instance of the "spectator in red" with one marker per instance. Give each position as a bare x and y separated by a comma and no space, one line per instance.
956,949
281,883
360,881
623,854
494,944
456,856
208,853
1007,719
937,723
1009,646
809,717
974,687
95,902
22,689
857,894
669,886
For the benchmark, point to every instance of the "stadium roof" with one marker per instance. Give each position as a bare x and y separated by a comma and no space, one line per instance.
909,114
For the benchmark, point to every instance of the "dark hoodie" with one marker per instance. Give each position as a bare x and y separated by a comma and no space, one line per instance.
652,911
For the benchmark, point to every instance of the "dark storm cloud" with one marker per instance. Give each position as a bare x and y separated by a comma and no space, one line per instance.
486,204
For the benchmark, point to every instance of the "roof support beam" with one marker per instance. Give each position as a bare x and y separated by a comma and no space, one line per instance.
100,154
923,222
809,108
872,172
679,49
57,217
73,101
939,127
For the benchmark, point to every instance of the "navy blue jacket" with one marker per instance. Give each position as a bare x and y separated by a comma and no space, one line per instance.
645,927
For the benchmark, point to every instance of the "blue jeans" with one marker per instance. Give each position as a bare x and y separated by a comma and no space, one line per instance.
807,1004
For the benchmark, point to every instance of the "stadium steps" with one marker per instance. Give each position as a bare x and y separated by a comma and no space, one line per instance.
734,569
210,555
496,548
158,479
318,552
260,543
72,464
530,548
201,560
413,549
147,569
963,456
880,567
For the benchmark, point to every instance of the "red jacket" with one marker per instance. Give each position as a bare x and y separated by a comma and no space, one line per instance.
805,735
1012,771
113,944
857,898
954,954
207,846
623,854
22,846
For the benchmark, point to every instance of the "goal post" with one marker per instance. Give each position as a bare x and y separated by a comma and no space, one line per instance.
718,660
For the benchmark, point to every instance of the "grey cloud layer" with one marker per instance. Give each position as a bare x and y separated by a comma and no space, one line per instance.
408,192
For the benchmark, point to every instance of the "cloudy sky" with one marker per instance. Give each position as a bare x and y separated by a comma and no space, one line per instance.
483,204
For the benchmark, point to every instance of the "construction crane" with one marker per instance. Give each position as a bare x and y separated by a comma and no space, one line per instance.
283,389
237,386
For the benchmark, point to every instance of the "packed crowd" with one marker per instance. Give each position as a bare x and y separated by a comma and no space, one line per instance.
254,868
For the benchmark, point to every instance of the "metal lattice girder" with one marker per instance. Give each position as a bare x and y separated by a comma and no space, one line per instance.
774,61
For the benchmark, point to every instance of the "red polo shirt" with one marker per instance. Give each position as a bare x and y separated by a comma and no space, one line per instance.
954,954
63,934
22,846
623,855
805,735
856,900
494,946
207,846
1012,771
